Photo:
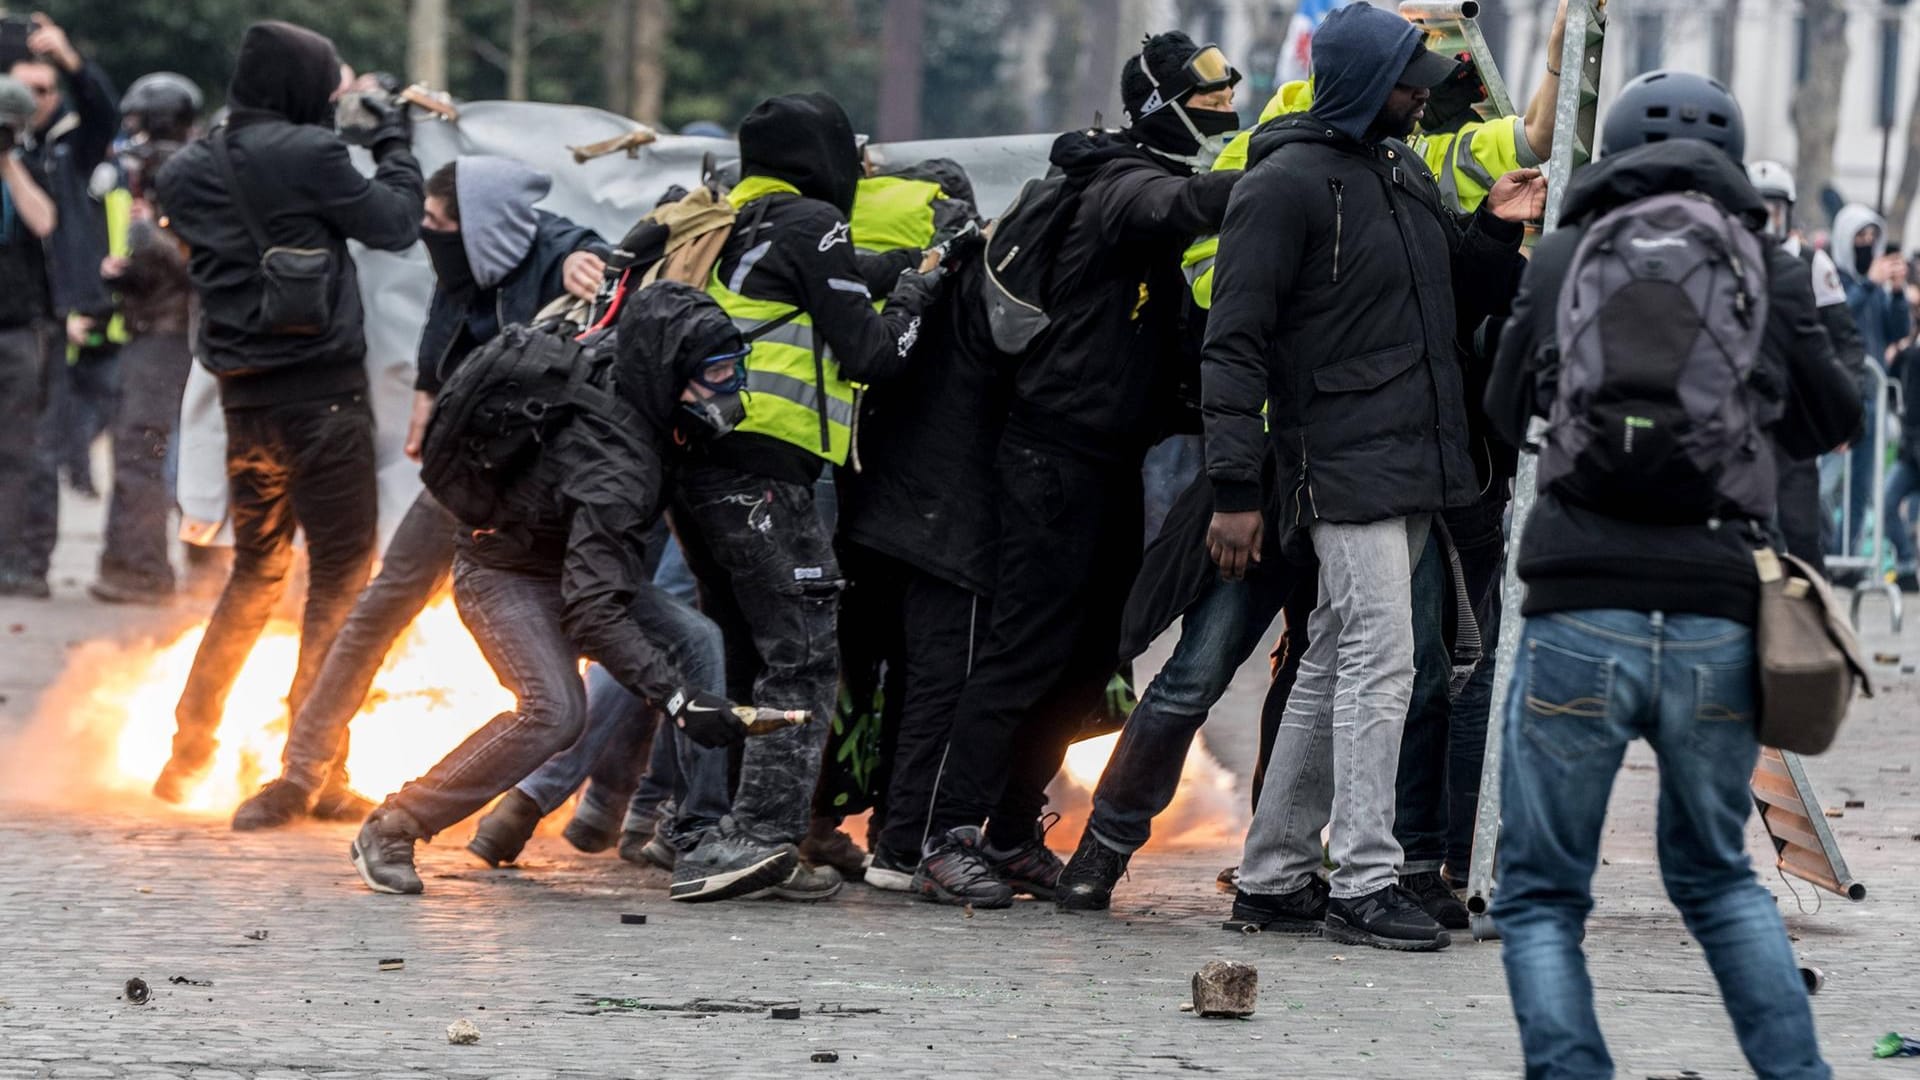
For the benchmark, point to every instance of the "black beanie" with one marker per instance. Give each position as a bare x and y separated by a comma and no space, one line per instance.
1165,54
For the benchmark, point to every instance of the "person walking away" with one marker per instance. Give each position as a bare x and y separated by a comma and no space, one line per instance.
1085,405
274,185
1639,557
1338,323
27,217
548,565
497,261
70,135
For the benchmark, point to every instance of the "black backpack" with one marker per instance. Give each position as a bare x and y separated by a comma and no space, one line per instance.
500,406
1022,250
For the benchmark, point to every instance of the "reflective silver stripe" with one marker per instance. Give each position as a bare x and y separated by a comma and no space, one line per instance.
793,333
843,285
1463,149
747,262
1193,272
803,394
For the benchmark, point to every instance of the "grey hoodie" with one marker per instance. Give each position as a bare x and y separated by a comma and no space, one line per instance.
497,219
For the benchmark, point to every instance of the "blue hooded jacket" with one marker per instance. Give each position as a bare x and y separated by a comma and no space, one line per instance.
1358,55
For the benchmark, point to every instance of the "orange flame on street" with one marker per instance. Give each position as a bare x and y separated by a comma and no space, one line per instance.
107,724
1207,811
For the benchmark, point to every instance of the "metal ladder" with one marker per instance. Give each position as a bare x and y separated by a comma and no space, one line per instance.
1451,30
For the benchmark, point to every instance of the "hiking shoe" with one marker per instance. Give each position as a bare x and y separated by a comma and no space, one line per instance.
109,591
1386,918
504,832
957,871
590,830
1228,880
1296,912
383,852
808,883
1030,867
889,870
277,804
826,844
1087,882
648,849
338,802
725,865
31,586
178,777
1436,899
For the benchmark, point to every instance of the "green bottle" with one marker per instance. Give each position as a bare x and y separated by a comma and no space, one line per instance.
1893,1044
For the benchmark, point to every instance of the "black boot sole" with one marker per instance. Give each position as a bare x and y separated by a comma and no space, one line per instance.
1353,935
1272,926
1068,900
933,891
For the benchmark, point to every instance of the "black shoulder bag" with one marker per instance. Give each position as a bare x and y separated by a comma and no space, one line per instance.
296,284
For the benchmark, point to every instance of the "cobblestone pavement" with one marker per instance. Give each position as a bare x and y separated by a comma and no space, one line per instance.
538,960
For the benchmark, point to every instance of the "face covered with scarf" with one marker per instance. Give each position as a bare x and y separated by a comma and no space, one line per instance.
1179,99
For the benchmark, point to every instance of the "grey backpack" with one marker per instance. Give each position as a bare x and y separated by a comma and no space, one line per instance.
1655,415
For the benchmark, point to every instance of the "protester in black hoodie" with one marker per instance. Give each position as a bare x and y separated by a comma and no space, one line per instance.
299,429
1334,319
1086,404
1635,629
744,509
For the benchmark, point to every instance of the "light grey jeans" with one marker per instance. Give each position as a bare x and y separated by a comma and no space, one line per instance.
1338,749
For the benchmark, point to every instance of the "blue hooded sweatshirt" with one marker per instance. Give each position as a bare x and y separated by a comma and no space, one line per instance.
1358,55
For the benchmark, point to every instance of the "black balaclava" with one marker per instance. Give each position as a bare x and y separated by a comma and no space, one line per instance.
1162,129
447,251
665,333
1863,258
806,140
286,69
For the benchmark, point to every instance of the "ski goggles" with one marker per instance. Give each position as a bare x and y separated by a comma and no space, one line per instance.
733,383
1204,72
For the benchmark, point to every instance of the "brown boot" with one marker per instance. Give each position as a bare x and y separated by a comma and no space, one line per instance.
501,835
827,845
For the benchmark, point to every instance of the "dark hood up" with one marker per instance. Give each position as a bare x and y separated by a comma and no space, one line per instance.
665,331
1674,165
806,140
1081,153
1358,55
286,69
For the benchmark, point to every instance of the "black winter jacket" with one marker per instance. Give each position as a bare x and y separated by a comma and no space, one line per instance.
1334,300
75,141
304,189
924,492
599,487
1572,557
1094,380
536,282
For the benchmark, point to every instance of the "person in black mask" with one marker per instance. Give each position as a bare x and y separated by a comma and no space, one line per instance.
1087,401
497,260
274,189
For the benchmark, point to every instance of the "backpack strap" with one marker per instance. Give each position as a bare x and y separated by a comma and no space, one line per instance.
218,142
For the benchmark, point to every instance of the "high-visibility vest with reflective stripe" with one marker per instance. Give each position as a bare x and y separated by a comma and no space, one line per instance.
893,212
793,393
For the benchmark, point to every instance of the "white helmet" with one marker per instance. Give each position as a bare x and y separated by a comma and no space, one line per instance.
1772,180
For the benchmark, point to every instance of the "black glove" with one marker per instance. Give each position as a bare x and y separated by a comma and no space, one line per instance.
369,118
713,721
965,244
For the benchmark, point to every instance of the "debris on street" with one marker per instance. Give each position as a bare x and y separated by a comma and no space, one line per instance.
392,964
462,1033
137,992
1225,988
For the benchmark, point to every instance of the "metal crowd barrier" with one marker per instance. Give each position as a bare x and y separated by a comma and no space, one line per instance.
1867,559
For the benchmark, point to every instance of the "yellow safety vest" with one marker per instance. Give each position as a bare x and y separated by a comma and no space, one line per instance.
894,212
795,392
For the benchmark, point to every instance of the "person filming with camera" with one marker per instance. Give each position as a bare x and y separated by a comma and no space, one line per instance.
27,217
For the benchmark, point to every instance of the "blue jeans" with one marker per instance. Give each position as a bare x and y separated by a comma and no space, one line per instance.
1218,632
621,736
1587,683
1903,483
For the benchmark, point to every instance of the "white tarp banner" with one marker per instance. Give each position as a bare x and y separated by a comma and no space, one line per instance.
608,194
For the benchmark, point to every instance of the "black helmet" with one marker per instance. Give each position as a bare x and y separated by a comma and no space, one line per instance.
164,105
1663,105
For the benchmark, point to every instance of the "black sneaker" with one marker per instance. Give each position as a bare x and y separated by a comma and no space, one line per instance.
1031,867
1388,918
1296,912
958,872
1087,882
338,802
503,834
888,869
1436,899
826,844
725,865
31,586
383,852
278,804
